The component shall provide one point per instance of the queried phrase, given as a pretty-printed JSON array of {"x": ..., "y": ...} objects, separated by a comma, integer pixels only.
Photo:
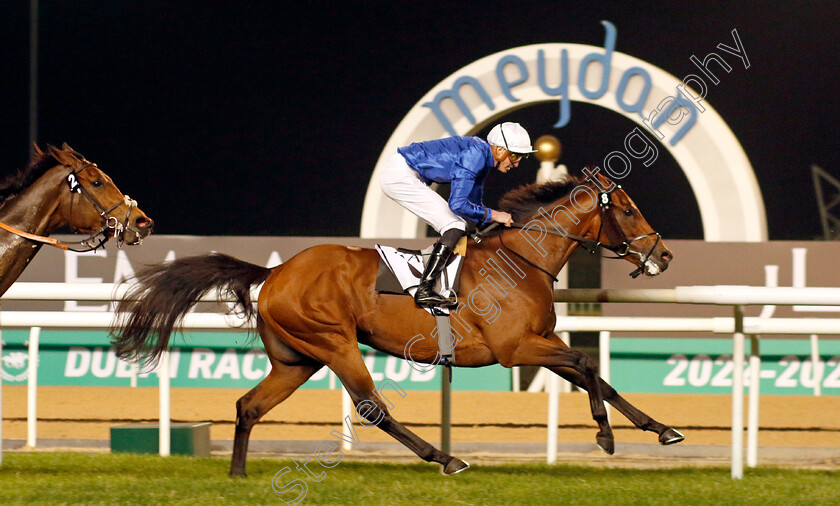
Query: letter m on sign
[{"x": 455, "y": 95}]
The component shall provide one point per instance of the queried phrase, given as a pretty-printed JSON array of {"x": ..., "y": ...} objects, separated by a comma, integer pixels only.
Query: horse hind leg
[
  {"x": 355, "y": 377},
  {"x": 641, "y": 420},
  {"x": 280, "y": 383}
]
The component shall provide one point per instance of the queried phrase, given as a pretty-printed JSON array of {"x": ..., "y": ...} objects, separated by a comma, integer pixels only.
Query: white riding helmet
[{"x": 512, "y": 137}]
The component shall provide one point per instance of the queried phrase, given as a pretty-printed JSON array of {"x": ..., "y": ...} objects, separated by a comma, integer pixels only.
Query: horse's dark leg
[
  {"x": 667, "y": 435},
  {"x": 273, "y": 389},
  {"x": 356, "y": 379},
  {"x": 552, "y": 353}
]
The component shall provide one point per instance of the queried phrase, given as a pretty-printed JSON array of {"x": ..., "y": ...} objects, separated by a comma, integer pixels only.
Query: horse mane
[
  {"x": 524, "y": 201},
  {"x": 14, "y": 183}
]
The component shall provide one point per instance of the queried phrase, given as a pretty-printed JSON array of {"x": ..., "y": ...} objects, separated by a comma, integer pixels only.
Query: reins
[
  {"x": 94, "y": 241},
  {"x": 532, "y": 264},
  {"x": 33, "y": 237},
  {"x": 590, "y": 245}
]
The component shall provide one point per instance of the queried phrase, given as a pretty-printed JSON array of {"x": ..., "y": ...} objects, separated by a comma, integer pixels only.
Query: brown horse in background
[
  {"x": 317, "y": 307},
  {"x": 61, "y": 188}
]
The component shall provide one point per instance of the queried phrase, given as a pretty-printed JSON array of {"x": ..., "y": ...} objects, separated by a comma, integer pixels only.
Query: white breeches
[{"x": 403, "y": 185}]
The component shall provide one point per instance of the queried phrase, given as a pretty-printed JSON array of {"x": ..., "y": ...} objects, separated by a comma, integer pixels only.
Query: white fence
[
  {"x": 738, "y": 326},
  {"x": 36, "y": 320}
]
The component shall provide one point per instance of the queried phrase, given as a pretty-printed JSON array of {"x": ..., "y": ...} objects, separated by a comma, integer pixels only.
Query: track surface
[{"x": 491, "y": 417}]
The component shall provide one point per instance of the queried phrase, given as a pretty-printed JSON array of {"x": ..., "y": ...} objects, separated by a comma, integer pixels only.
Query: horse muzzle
[
  {"x": 657, "y": 262},
  {"x": 138, "y": 229},
  {"x": 135, "y": 227}
]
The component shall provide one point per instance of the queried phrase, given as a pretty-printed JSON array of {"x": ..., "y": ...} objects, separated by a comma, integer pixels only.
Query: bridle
[
  {"x": 613, "y": 230},
  {"x": 616, "y": 234},
  {"x": 108, "y": 224}
]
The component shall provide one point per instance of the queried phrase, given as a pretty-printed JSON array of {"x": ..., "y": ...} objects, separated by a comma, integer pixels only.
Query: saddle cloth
[{"x": 400, "y": 271}]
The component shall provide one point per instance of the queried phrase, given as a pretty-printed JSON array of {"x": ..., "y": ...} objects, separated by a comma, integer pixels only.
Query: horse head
[
  {"x": 623, "y": 230},
  {"x": 94, "y": 204},
  {"x": 595, "y": 213}
]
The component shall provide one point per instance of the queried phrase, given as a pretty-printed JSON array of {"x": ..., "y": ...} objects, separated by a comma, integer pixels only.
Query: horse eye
[
  {"x": 628, "y": 211},
  {"x": 96, "y": 183}
]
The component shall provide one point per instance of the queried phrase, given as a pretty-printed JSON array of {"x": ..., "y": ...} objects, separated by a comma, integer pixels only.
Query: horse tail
[{"x": 165, "y": 292}]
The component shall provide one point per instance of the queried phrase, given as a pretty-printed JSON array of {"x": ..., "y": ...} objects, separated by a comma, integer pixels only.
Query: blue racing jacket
[{"x": 462, "y": 161}]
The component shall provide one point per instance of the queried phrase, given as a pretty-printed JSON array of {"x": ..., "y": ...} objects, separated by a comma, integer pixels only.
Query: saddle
[{"x": 400, "y": 271}]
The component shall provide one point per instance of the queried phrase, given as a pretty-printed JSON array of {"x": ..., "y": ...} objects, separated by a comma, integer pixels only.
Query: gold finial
[{"x": 548, "y": 148}]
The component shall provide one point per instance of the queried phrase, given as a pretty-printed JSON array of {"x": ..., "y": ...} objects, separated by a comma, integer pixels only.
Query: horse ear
[
  {"x": 605, "y": 182},
  {"x": 37, "y": 150},
  {"x": 64, "y": 156},
  {"x": 66, "y": 147}
]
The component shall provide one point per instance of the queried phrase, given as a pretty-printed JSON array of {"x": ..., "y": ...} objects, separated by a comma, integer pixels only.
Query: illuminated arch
[{"x": 712, "y": 159}]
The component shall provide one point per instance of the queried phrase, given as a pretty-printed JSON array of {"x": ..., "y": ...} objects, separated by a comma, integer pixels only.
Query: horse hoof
[
  {"x": 606, "y": 443},
  {"x": 671, "y": 436},
  {"x": 455, "y": 466}
]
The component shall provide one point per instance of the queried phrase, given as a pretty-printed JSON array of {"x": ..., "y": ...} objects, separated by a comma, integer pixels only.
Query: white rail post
[
  {"x": 738, "y": 395},
  {"x": 752, "y": 412},
  {"x": 816, "y": 370},
  {"x": 553, "y": 416},
  {"x": 554, "y": 384},
  {"x": 164, "y": 426},
  {"x": 346, "y": 409},
  {"x": 604, "y": 361},
  {"x": 515, "y": 378},
  {"x": 32, "y": 388}
]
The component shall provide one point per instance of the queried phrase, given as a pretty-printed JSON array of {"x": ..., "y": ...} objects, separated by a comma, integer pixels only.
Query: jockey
[{"x": 464, "y": 162}]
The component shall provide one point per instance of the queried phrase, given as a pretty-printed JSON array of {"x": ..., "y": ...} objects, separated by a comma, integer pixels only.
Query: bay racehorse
[
  {"x": 61, "y": 188},
  {"x": 315, "y": 309}
]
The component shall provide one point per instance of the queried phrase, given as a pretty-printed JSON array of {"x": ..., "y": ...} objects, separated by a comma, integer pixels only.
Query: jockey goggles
[{"x": 514, "y": 157}]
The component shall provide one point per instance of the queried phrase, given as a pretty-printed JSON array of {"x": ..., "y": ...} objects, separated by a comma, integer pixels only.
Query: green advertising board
[
  {"x": 206, "y": 359},
  {"x": 696, "y": 365}
]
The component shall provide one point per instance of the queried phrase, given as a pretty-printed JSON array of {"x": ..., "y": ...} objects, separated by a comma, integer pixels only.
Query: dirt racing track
[{"x": 795, "y": 430}]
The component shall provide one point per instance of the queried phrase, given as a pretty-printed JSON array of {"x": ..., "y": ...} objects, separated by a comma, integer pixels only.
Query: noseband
[
  {"x": 108, "y": 223},
  {"x": 613, "y": 230}
]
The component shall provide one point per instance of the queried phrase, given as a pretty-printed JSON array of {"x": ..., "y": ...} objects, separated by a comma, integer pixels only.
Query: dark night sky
[{"x": 267, "y": 118}]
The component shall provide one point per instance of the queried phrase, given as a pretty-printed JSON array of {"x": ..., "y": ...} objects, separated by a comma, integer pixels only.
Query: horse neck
[
  {"x": 33, "y": 210},
  {"x": 539, "y": 242}
]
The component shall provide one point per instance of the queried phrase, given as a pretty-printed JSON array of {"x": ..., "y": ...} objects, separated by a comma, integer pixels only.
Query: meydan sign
[{"x": 671, "y": 113}]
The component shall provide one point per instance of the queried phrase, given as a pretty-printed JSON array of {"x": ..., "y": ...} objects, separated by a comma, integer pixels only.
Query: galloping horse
[
  {"x": 60, "y": 188},
  {"x": 316, "y": 308}
]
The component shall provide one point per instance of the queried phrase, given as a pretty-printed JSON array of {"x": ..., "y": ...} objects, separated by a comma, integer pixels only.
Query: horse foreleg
[
  {"x": 553, "y": 354},
  {"x": 356, "y": 379},
  {"x": 667, "y": 435},
  {"x": 272, "y": 390}
]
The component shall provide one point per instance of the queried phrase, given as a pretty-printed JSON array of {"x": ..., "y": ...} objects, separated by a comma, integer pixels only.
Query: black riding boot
[{"x": 426, "y": 295}]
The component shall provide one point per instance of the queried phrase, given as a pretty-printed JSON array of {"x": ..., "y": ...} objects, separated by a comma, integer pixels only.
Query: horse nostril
[
  {"x": 143, "y": 222},
  {"x": 666, "y": 256}
]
